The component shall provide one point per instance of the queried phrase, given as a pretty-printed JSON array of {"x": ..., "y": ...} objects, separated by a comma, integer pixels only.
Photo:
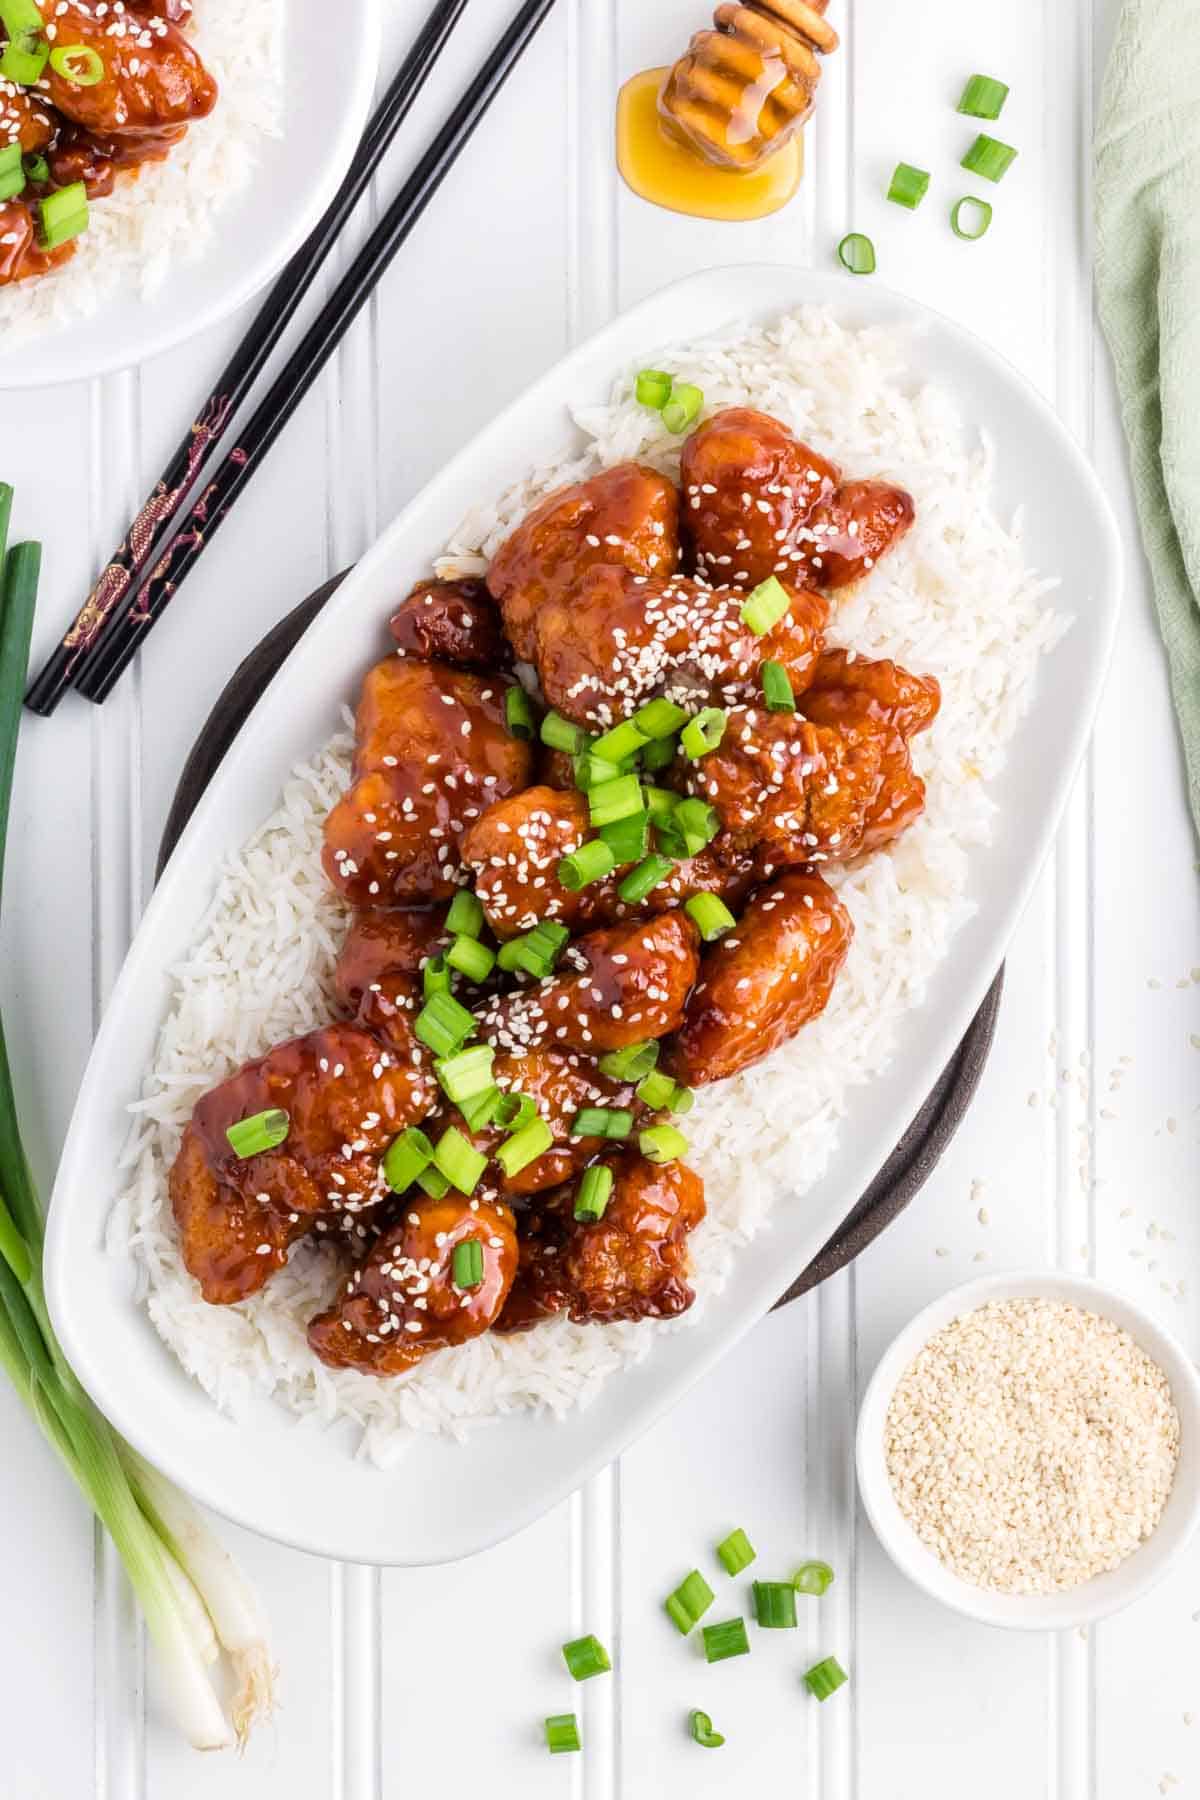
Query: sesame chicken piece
[
  {"x": 433, "y": 751},
  {"x": 24, "y": 118},
  {"x": 847, "y": 534},
  {"x": 398, "y": 942},
  {"x": 772, "y": 974},
  {"x": 630, "y": 1264},
  {"x": 402, "y": 1302},
  {"x": 613, "y": 987},
  {"x": 862, "y": 698},
  {"x": 231, "y": 1243},
  {"x": 619, "y": 639},
  {"x": 153, "y": 80},
  {"x": 627, "y": 515},
  {"x": 21, "y": 256},
  {"x": 453, "y": 622}
]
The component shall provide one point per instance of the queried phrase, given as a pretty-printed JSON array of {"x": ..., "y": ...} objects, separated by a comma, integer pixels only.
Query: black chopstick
[{"x": 88, "y": 630}]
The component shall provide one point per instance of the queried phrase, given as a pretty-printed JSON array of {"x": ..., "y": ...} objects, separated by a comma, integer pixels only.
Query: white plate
[
  {"x": 296, "y": 177},
  {"x": 446, "y": 1500}
]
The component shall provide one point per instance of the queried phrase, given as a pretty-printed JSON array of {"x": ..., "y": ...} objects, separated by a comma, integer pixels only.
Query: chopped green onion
[
  {"x": 592, "y": 1194},
  {"x": 25, "y": 56},
  {"x": 433, "y": 1182},
  {"x": 262, "y": 1131},
  {"x": 765, "y": 606},
  {"x": 435, "y": 976},
  {"x": 655, "y": 1089},
  {"x": 662, "y": 1144},
  {"x": 625, "y": 739},
  {"x": 659, "y": 718},
  {"x": 558, "y": 733},
  {"x": 989, "y": 157},
  {"x": 78, "y": 63},
  {"x": 515, "y": 1110},
  {"x": 592, "y": 771},
  {"x": 639, "y": 882},
  {"x": 777, "y": 689},
  {"x": 983, "y": 97},
  {"x": 690, "y": 1601},
  {"x": 585, "y": 1657},
  {"x": 977, "y": 220},
  {"x": 736, "y": 1552},
  {"x": 683, "y": 406},
  {"x": 618, "y": 799},
  {"x": 465, "y": 1074},
  {"x": 825, "y": 1677},
  {"x": 631, "y": 1062},
  {"x": 480, "y": 1109},
  {"x": 908, "y": 186},
  {"x": 466, "y": 1265},
  {"x": 705, "y": 731},
  {"x": 725, "y": 1640},
  {"x": 602, "y": 1121},
  {"x": 443, "y": 1024},
  {"x": 591, "y": 862},
  {"x": 653, "y": 388},
  {"x": 536, "y": 951},
  {"x": 628, "y": 839},
  {"x": 519, "y": 715},
  {"x": 12, "y": 172},
  {"x": 562, "y": 1734},
  {"x": 524, "y": 1146},
  {"x": 62, "y": 215},
  {"x": 682, "y": 1100},
  {"x": 812, "y": 1578},
  {"x": 659, "y": 753},
  {"x": 471, "y": 958},
  {"x": 36, "y": 167},
  {"x": 458, "y": 1160},
  {"x": 405, "y": 1158},
  {"x": 465, "y": 918},
  {"x": 697, "y": 823},
  {"x": 775, "y": 1605},
  {"x": 20, "y": 15},
  {"x": 710, "y": 915},
  {"x": 701, "y": 1728},
  {"x": 856, "y": 253},
  {"x": 660, "y": 803}
]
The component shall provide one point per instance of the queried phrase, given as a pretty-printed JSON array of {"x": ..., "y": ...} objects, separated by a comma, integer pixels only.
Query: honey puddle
[{"x": 663, "y": 169}]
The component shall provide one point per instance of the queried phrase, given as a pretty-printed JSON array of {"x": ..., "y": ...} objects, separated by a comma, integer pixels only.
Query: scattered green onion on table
[{"x": 189, "y": 1589}]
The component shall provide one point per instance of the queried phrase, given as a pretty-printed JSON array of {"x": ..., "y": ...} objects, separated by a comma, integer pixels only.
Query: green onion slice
[
  {"x": 697, "y": 822},
  {"x": 435, "y": 976},
  {"x": 908, "y": 186},
  {"x": 705, "y": 731},
  {"x": 466, "y": 1073},
  {"x": 701, "y": 1728},
  {"x": 736, "y": 1552},
  {"x": 660, "y": 803},
  {"x": 515, "y": 1110},
  {"x": 628, "y": 839},
  {"x": 602, "y": 1121},
  {"x": 535, "y": 951},
  {"x": 983, "y": 97},
  {"x": 618, "y": 799},
  {"x": 481, "y": 1109},
  {"x": 466, "y": 1265},
  {"x": 406, "y": 1158},
  {"x": 710, "y": 915},
  {"x": 775, "y": 1605},
  {"x": 825, "y": 1677},
  {"x": 78, "y": 63},
  {"x": 659, "y": 753},
  {"x": 519, "y": 714},
  {"x": 62, "y": 215},
  {"x": 262, "y": 1131},
  {"x": 36, "y": 167},
  {"x": 471, "y": 958},
  {"x": 765, "y": 606},
  {"x": 683, "y": 406},
  {"x": 856, "y": 253},
  {"x": 652, "y": 388},
  {"x": 458, "y": 1160},
  {"x": 643, "y": 880},
  {"x": 443, "y": 1024},
  {"x": 777, "y": 689},
  {"x": 558, "y": 733},
  {"x": 433, "y": 1182},
  {"x": 25, "y": 56},
  {"x": 625, "y": 739},
  {"x": 465, "y": 918},
  {"x": 972, "y": 224},
  {"x": 12, "y": 170},
  {"x": 989, "y": 157},
  {"x": 592, "y": 771},
  {"x": 20, "y": 15},
  {"x": 632, "y": 1062},
  {"x": 725, "y": 1640},
  {"x": 592, "y": 1196},
  {"x": 690, "y": 1601},
  {"x": 562, "y": 1733},
  {"x": 591, "y": 862},
  {"x": 656, "y": 1090},
  {"x": 662, "y": 1144},
  {"x": 524, "y": 1146},
  {"x": 659, "y": 718},
  {"x": 812, "y": 1578},
  {"x": 585, "y": 1657}
]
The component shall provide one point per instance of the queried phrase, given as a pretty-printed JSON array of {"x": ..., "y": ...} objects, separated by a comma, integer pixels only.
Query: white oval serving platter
[{"x": 445, "y": 1500}]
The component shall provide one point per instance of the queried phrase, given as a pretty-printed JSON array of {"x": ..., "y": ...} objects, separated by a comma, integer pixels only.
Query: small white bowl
[{"x": 1103, "y": 1594}]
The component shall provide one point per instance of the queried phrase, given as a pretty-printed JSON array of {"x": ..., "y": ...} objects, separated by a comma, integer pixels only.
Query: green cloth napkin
[{"x": 1148, "y": 285}]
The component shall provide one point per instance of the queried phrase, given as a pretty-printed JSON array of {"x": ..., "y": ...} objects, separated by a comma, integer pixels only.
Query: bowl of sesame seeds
[{"x": 1028, "y": 1450}]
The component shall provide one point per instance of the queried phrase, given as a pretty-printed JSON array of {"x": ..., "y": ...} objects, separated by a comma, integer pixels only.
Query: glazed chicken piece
[
  {"x": 402, "y": 1302},
  {"x": 399, "y": 942},
  {"x": 773, "y": 973},
  {"x": 792, "y": 791},
  {"x": 618, "y": 639},
  {"x": 614, "y": 987},
  {"x": 153, "y": 81},
  {"x": 21, "y": 256},
  {"x": 515, "y": 847},
  {"x": 630, "y": 1264},
  {"x": 758, "y": 502},
  {"x": 24, "y": 119},
  {"x": 452, "y": 622},
  {"x": 433, "y": 751},
  {"x": 627, "y": 515},
  {"x": 346, "y": 1097},
  {"x": 862, "y": 698}
]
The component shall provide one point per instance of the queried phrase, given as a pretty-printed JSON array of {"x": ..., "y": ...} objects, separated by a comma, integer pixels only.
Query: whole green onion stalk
[{"x": 189, "y": 1588}]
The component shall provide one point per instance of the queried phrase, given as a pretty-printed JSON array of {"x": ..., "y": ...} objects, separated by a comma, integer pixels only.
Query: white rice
[
  {"x": 168, "y": 213},
  {"x": 955, "y": 600}
]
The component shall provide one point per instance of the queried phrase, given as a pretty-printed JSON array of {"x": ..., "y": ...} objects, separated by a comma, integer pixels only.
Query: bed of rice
[
  {"x": 168, "y": 214},
  {"x": 956, "y": 599}
]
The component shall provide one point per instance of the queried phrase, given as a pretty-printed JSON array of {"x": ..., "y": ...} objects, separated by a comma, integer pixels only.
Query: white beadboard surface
[{"x": 402, "y": 1683}]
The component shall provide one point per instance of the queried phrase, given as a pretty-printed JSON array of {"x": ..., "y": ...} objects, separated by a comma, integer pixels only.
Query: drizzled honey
[{"x": 717, "y": 134}]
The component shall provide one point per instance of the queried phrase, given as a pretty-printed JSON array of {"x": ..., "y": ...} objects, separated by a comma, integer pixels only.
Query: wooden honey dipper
[{"x": 743, "y": 90}]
